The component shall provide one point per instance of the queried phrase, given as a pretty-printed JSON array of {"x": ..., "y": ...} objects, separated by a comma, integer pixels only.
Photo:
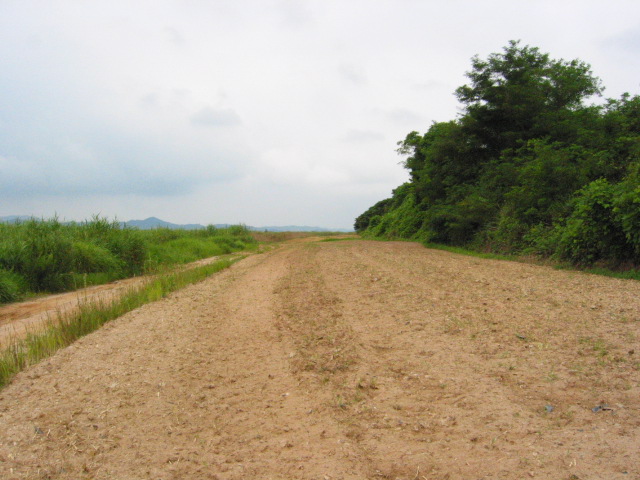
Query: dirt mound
[{"x": 345, "y": 360}]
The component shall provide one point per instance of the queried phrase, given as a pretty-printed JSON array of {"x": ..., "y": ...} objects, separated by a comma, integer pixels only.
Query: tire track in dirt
[
  {"x": 344, "y": 360},
  {"x": 194, "y": 386},
  {"x": 457, "y": 361}
]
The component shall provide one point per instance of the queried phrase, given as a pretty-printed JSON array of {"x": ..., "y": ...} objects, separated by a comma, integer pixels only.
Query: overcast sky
[{"x": 263, "y": 112}]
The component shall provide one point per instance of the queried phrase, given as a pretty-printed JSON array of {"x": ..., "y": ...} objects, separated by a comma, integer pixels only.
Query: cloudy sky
[{"x": 263, "y": 112}]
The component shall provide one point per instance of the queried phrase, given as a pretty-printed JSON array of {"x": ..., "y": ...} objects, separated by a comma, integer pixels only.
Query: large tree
[
  {"x": 521, "y": 94},
  {"x": 528, "y": 165}
]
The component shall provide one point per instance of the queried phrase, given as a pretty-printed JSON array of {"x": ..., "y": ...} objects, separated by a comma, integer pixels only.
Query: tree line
[{"x": 527, "y": 168}]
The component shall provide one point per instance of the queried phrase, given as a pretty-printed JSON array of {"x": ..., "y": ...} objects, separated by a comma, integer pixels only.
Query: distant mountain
[
  {"x": 153, "y": 222},
  {"x": 297, "y": 228},
  {"x": 14, "y": 219}
]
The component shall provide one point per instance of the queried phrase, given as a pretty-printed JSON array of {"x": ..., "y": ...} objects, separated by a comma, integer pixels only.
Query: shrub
[
  {"x": 92, "y": 258},
  {"x": 627, "y": 211},
  {"x": 11, "y": 286},
  {"x": 593, "y": 231}
]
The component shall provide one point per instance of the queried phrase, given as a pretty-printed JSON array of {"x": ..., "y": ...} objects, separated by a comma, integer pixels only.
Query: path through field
[
  {"x": 17, "y": 320},
  {"x": 345, "y": 360}
]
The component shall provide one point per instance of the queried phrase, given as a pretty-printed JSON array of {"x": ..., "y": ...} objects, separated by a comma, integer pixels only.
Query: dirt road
[
  {"x": 345, "y": 360},
  {"x": 17, "y": 320}
]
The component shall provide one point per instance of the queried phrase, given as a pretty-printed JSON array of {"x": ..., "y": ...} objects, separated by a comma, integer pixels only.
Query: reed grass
[{"x": 43, "y": 256}]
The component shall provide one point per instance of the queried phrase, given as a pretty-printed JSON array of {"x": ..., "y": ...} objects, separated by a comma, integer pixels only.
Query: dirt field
[
  {"x": 19, "y": 319},
  {"x": 345, "y": 360}
]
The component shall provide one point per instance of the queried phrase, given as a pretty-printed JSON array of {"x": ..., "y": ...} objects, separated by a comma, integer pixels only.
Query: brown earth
[
  {"x": 21, "y": 318},
  {"x": 345, "y": 360}
]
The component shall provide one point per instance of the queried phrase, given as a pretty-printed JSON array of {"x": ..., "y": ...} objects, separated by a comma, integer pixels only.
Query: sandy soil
[
  {"x": 19, "y": 319},
  {"x": 345, "y": 360}
]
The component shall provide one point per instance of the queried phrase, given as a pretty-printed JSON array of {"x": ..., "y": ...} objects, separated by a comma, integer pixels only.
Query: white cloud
[
  {"x": 362, "y": 136},
  {"x": 403, "y": 116},
  {"x": 211, "y": 117},
  {"x": 253, "y": 111},
  {"x": 353, "y": 73}
]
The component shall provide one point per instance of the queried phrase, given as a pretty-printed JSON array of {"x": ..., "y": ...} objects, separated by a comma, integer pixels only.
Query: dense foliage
[
  {"x": 49, "y": 256},
  {"x": 527, "y": 168}
]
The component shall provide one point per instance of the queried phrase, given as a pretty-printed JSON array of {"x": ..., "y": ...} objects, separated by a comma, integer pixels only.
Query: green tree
[
  {"x": 522, "y": 94},
  {"x": 528, "y": 166},
  {"x": 377, "y": 210}
]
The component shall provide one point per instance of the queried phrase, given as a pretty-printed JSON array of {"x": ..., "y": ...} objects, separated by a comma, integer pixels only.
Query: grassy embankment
[
  {"x": 46, "y": 256},
  {"x": 66, "y": 328},
  {"x": 623, "y": 273}
]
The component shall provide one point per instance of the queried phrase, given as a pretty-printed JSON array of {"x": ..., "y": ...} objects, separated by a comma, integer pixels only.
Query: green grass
[
  {"x": 471, "y": 253},
  {"x": 341, "y": 239},
  {"x": 66, "y": 328},
  {"x": 630, "y": 274},
  {"x": 43, "y": 256}
]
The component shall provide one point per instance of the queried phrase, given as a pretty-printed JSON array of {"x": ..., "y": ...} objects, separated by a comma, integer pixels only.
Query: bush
[
  {"x": 594, "y": 231},
  {"x": 92, "y": 258},
  {"x": 371, "y": 218},
  {"x": 129, "y": 247},
  {"x": 627, "y": 211},
  {"x": 506, "y": 235},
  {"x": 11, "y": 286}
]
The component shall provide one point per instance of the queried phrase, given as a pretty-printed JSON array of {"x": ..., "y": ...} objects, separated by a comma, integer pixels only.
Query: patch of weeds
[
  {"x": 339, "y": 239},
  {"x": 568, "y": 415},
  {"x": 358, "y": 397},
  {"x": 455, "y": 324},
  {"x": 551, "y": 376},
  {"x": 598, "y": 345},
  {"x": 471, "y": 253},
  {"x": 341, "y": 402},
  {"x": 579, "y": 369}
]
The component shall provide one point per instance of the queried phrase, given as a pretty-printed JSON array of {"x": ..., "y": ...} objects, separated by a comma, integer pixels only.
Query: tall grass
[
  {"x": 171, "y": 247},
  {"x": 49, "y": 256},
  {"x": 68, "y": 327}
]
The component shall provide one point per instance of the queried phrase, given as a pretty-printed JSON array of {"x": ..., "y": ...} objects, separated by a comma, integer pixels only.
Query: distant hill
[
  {"x": 154, "y": 222},
  {"x": 14, "y": 219},
  {"x": 297, "y": 228}
]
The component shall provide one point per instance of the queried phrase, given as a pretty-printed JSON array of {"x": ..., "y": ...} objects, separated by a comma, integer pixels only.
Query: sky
[{"x": 260, "y": 112}]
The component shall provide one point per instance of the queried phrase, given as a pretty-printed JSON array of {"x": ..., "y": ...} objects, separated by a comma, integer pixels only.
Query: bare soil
[
  {"x": 21, "y": 318},
  {"x": 345, "y": 360}
]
